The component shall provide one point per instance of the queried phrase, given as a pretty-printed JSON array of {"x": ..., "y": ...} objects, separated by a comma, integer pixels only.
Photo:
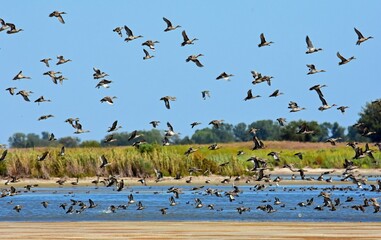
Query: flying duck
[
  {"x": 42, "y": 99},
  {"x": 170, "y": 27},
  {"x": 11, "y": 90},
  {"x": 20, "y": 76},
  {"x": 263, "y": 41},
  {"x": 147, "y": 55},
  {"x": 187, "y": 41},
  {"x": 103, "y": 83},
  {"x": 25, "y": 94},
  {"x": 276, "y": 93},
  {"x": 104, "y": 161},
  {"x": 150, "y": 44},
  {"x": 194, "y": 58},
  {"x": 62, "y": 60},
  {"x": 118, "y": 30},
  {"x": 224, "y": 76},
  {"x": 108, "y": 100},
  {"x": 46, "y": 61},
  {"x": 130, "y": 35},
  {"x": 114, "y": 127},
  {"x": 44, "y": 117},
  {"x": 166, "y": 100},
  {"x": 216, "y": 123},
  {"x": 250, "y": 95},
  {"x": 310, "y": 46},
  {"x": 343, "y": 59},
  {"x": 58, "y": 15},
  {"x": 360, "y": 37},
  {"x": 154, "y": 123},
  {"x": 13, "y": 28},
  {"x": 342, "y": 108},
  {"x": 312, "y": 69}
]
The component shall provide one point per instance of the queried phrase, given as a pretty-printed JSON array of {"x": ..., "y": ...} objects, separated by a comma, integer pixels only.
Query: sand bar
[{"x": 188, "y": 230}]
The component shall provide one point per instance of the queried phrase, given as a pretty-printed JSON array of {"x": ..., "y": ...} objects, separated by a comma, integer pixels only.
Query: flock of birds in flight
[
  {"x": 56, "y": 76},
  {"x": 258, "y": 164}
]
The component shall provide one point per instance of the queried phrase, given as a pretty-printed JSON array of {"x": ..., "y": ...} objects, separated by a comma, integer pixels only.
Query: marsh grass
[{"x": 132, "y": 162}]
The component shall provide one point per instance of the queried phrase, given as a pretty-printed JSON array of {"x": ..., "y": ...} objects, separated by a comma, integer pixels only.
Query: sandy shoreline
[
  {"x": 201, "y": 180},
  {"x": 189, "y": 230}
]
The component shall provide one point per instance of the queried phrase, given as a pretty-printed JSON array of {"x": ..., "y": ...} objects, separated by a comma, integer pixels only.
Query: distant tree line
[{"x": 367, "y": 128}]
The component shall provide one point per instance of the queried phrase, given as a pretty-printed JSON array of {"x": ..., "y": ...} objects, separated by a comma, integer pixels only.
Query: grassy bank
[{"x": 133, "y": 162}]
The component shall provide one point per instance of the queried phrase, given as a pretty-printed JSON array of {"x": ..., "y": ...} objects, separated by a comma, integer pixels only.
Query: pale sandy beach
[
  {"x": 189, "y": 230},
  {"x": 213, "y": 179}
]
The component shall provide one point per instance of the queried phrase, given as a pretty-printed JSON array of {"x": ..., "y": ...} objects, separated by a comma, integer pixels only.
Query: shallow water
[{"x": 156, "y": 197}]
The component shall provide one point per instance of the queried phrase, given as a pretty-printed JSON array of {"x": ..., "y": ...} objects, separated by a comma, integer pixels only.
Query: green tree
[
  {"x": 370, "y": 116},
  {"x": 268, "y": 129},
  {"x": 241, "y": 132},
  {"x": 222, "y": 134},
  {"x": 205, "y": 135},
  {"x": 289, "y": 132},
  {"x": 69, "y": 141},
  {"x": 17, "y": 140},
  {"x": 337, "y": 131}
]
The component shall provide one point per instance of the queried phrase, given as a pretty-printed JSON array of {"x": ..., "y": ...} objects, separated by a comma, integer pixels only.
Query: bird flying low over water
[
  {"x": 104, "y": 161},
  {"x": 58, "y": 15}
]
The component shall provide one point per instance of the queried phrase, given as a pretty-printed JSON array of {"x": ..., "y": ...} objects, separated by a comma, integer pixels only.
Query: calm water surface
[{"x": 156, "y": 197}]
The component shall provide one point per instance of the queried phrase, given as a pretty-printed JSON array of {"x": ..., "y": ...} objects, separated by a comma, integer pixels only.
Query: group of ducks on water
[{"x": 232, "y": 195}]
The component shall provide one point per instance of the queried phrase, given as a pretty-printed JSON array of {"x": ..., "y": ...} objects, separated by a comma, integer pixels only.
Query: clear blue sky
[{"x": 228, "y": 33}]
